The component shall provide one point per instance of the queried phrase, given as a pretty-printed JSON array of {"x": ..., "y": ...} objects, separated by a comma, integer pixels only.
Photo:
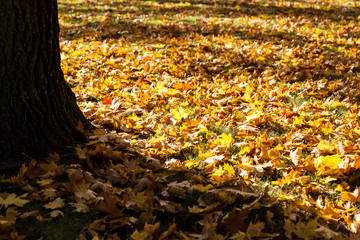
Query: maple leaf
[
  {"x": 325, "y": 164},
  {"x": 326, "y": 233},
  {"x": 80, "y": 207},
  {"x": 56, "y": 213},
  {"x": 306, "y": 230},
  {"x": 180, "y": 113},
  {"x": 80, "y": 184},
  {"x": 136, "y": 235},
  {"x": 235, "y": 222},
  {"x": 255, "y": 229},
  {"x": 115, "y": 177},
  {"x": 326, "y": 147},
  {"x": 151, "y": 228},
  {"x": 57, "y": 203},
  {"x": 49, "y": 193},
  {"x": 168, "y": 206},
  {"x": 108, "y": 205},
  {"x": 141, "y": 200},
  {"x": 106, "y": 100},
  {"x": 217, "y": 175},
  {"x": 12, "y": 199},
  {"x": 226, "y": 139},
  {"x": 255, "y": 117},
  {"x": 229, "y": 169},
  {"x": 296, "y": 156}
]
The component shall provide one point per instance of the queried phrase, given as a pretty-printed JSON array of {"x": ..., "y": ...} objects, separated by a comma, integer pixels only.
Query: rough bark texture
[{"x": 38, "y": 110}]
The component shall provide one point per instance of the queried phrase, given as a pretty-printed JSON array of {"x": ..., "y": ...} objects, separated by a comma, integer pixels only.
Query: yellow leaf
[
  {"x": 202, "y": 188},
  {"x": 254, "y": 116},
  {"x": 244, "y": 150},
  {"x": 160, "y": 88},
  {"x": 180, "y": 113},
  {"x": 326, "y": 147},
  {"x": 157, "y": 142},
  {"x": 330, "y": 162},
  {"x": 95, "y": 237},
  {"x": 298, "y": 121},
  {"x": 11, "y": 199},
  {"x": 346, "y": 196},
  {"x": 217, "y": 174},
  {"x": 230, "y": 170},
  {"x": 226, "y": 140},
  {"x": 327, "y": 129},
  {"x": 248, "y": 91},
  {"x": 357, "y": 131},
  {"x": 205, "y": 155},
  {"x": 336, "y": 103},
  {"x": 140, "y": 235},
  {"x": 292, "y": 177},
  {"x": 191, "y": 163}
]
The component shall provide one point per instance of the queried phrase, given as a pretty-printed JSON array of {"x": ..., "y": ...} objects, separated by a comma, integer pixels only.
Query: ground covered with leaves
[{"x": 220, "y": 120}]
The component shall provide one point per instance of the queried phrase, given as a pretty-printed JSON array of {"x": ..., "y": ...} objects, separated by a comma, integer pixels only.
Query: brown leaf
[
  {"x": 326, "y": 233},
  {"x": 167, "y": 233},
  {"x": 57, "y": 203},
  {"x": 115, "y": 177},
  {"x": 234, "y": 221},
  {"x": 80, "y": 207},
  {"x": 53, "y": 157},
  {"x": 108, "y": 205},
  {"x": 255, "y": 229},
  {"x": 151, "y": 228},
  {"x": 56, "y": 213},
  {"x": 168, "y": 206}
]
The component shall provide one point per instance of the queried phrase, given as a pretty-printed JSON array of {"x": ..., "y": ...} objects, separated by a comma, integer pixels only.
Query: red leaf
[{"x": 106, "y": 100}]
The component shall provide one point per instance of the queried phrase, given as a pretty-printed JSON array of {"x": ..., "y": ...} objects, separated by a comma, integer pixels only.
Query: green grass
[
  {"x": 67, "y": 227},
  {"x": 339, "y": 111}
]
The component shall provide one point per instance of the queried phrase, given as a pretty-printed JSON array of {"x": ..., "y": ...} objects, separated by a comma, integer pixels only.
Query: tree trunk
[{"x": 38, "y": 110}]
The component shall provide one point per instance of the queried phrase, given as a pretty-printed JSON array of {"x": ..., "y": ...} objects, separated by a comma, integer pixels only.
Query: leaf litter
[{"x": 219, "y": 120}]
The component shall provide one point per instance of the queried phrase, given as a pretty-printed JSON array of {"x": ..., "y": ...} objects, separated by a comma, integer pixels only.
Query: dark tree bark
[{"x": 38, "y": 110}]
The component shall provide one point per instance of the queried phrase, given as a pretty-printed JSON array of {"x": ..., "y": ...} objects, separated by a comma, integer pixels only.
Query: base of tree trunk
[{"x": 38, "y": 110}]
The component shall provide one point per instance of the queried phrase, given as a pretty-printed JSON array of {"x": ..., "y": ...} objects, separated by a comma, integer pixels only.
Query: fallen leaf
[
  {"x": 57, "y": 203},
  {"x": 12, "y": 199},
  {"x": 56, "y": 213}
]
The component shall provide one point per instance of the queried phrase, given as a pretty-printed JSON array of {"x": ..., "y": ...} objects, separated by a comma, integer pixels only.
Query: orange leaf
[{"x": 106, "y": 100}]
